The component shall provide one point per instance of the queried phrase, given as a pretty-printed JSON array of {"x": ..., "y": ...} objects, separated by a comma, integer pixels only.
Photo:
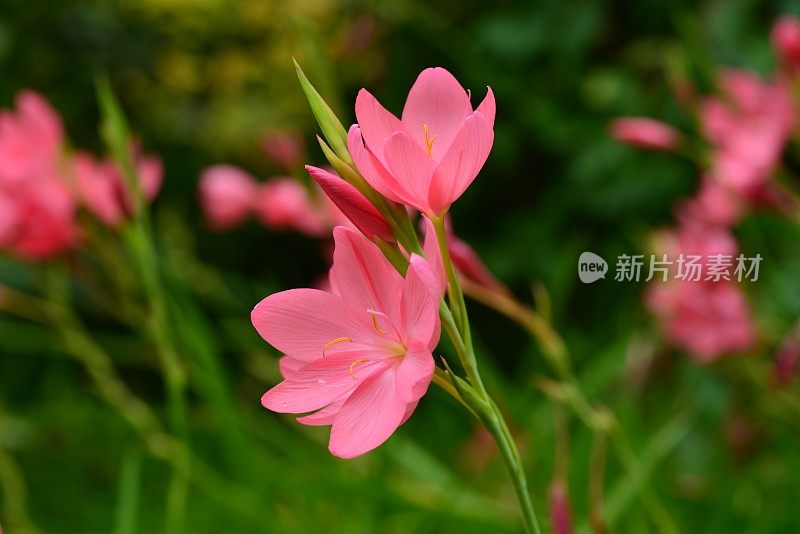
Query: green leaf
[
  {"x": 117, "y": 136},
  {"x": 331, "y": 127}
]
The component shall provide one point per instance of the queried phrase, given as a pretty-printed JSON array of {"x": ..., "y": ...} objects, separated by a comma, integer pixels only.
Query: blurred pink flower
[
  {"x": 283, "y": 203},
  {"x": 353, "y": 205},
  {"x": 103, "y": 189},
  {"x": 360, "y": 358},
  {"x": 30, "y": 140},
  {"x": 285, "y": 149},
  {"x": 45, "y": 224},
  {"x": 37, "y": 219},
  {"x": 227, "y": 195},
  {"x": 786, "y": 41},
  {"x": 749, "y": 127},
  {"x": 707, "y": 319},
  {"x": 645, "y": 133},
  {"x": 428, "y": 158},
  {"x": 714, "y": 203}
]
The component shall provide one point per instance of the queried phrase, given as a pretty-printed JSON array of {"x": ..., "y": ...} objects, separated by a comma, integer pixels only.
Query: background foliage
[{"x": 202, "y": 81}]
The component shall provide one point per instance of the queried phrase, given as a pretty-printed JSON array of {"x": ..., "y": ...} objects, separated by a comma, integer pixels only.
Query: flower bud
[{"x": 645, "y": 133}]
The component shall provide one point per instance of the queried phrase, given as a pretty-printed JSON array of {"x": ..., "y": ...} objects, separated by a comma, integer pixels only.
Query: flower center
[{"x": 428, "y": 139}]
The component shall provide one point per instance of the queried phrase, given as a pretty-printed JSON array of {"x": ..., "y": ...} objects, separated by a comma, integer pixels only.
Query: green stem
[{"x": 456, "y": 324}]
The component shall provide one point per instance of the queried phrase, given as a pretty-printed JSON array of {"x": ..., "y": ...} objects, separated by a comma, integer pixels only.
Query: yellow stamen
[
  {"x": 359, "y": 361},
  {"x": 428, "y": 139},
  {"x": 334, "y": 342},
  {"x": 380, "y": 330}
]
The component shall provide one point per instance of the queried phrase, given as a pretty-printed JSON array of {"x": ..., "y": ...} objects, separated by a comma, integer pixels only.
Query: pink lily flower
[
  {"x": 45, "y": 223},
  {"x": 226, "y": 195},
  {"x": 714, "y": 204},
  {"x": 360, "y": 358},
  {"x": 429, "y": 157},
  {"x": 645, "y": 133},
  {"x": 355, "y": 207},
  {"x": 103, "y": 189},
  {"x": 30, "y": 140},
  {"x": 706, "y": 319},
  {"x": 749, "y": 129},
  {"x": 283, "y": 203}
]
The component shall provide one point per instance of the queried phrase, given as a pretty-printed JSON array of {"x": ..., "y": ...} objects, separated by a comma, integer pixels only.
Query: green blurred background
[{"x": 203, "y": 80}]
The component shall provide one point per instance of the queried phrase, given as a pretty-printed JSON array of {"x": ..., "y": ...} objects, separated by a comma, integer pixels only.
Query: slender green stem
[{"x": 456, "y": 324}]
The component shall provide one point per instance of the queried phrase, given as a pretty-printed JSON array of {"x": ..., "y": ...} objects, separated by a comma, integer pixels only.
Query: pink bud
[
  {"x": 353, "y": 205},
  {"x": 560, "y": 513},
  {"x": 285, "y": 149},
  {"x": 786, "y": 41},
  {"x": 226, "y": 195},
  {"x": 470, "y": 265},
  {"x": 645, "y": 133}
]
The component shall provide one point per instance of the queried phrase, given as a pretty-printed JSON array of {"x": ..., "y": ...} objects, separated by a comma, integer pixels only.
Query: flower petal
[
  {"x": 377, "y": 124},
  {"x": 411, "y": 167},
  {"x": 419, "y": 304},
  {"x": 437, "y": 101},
  {"x": 320, "y": 383},
  {"x": 368, "y": 417},
  {"x": 462, "y": 162},
  {"x": 487, "y": 108},
  {"x": 302, "y": 322},
  {"x": 372, "y": 169},
  {"x": 290, "y": 366},
  {"x": 324, "y": 416},
  {"x": 366, "y": 279},
  {"x": 414, "y": 373},
  {"x": 353, "y": 204},
  {"x": 430, "y": 247}
]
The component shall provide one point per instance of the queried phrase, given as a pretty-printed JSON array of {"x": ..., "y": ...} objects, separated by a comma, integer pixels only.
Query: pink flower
[
  {"x": 786, "y": 41},
  {"x": 227, "y": 194},
  {"x": 30, "y": 140},
  {"x": 645, "y": 133},
  {"x": 704, "y": 318},
  {"x": 104, "y": 191},
  {"x": 428, "y": 158},
  {"x": 749, "y": 128},
  {"x": 353, "y": 205},
  {"x": 714, "y": 204},
  {"x": 360, "y": 358},
  {"x": 45, "y": 223},
  {"x": 284, "y": 148},
  {"x": 283, "y": 203}
]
